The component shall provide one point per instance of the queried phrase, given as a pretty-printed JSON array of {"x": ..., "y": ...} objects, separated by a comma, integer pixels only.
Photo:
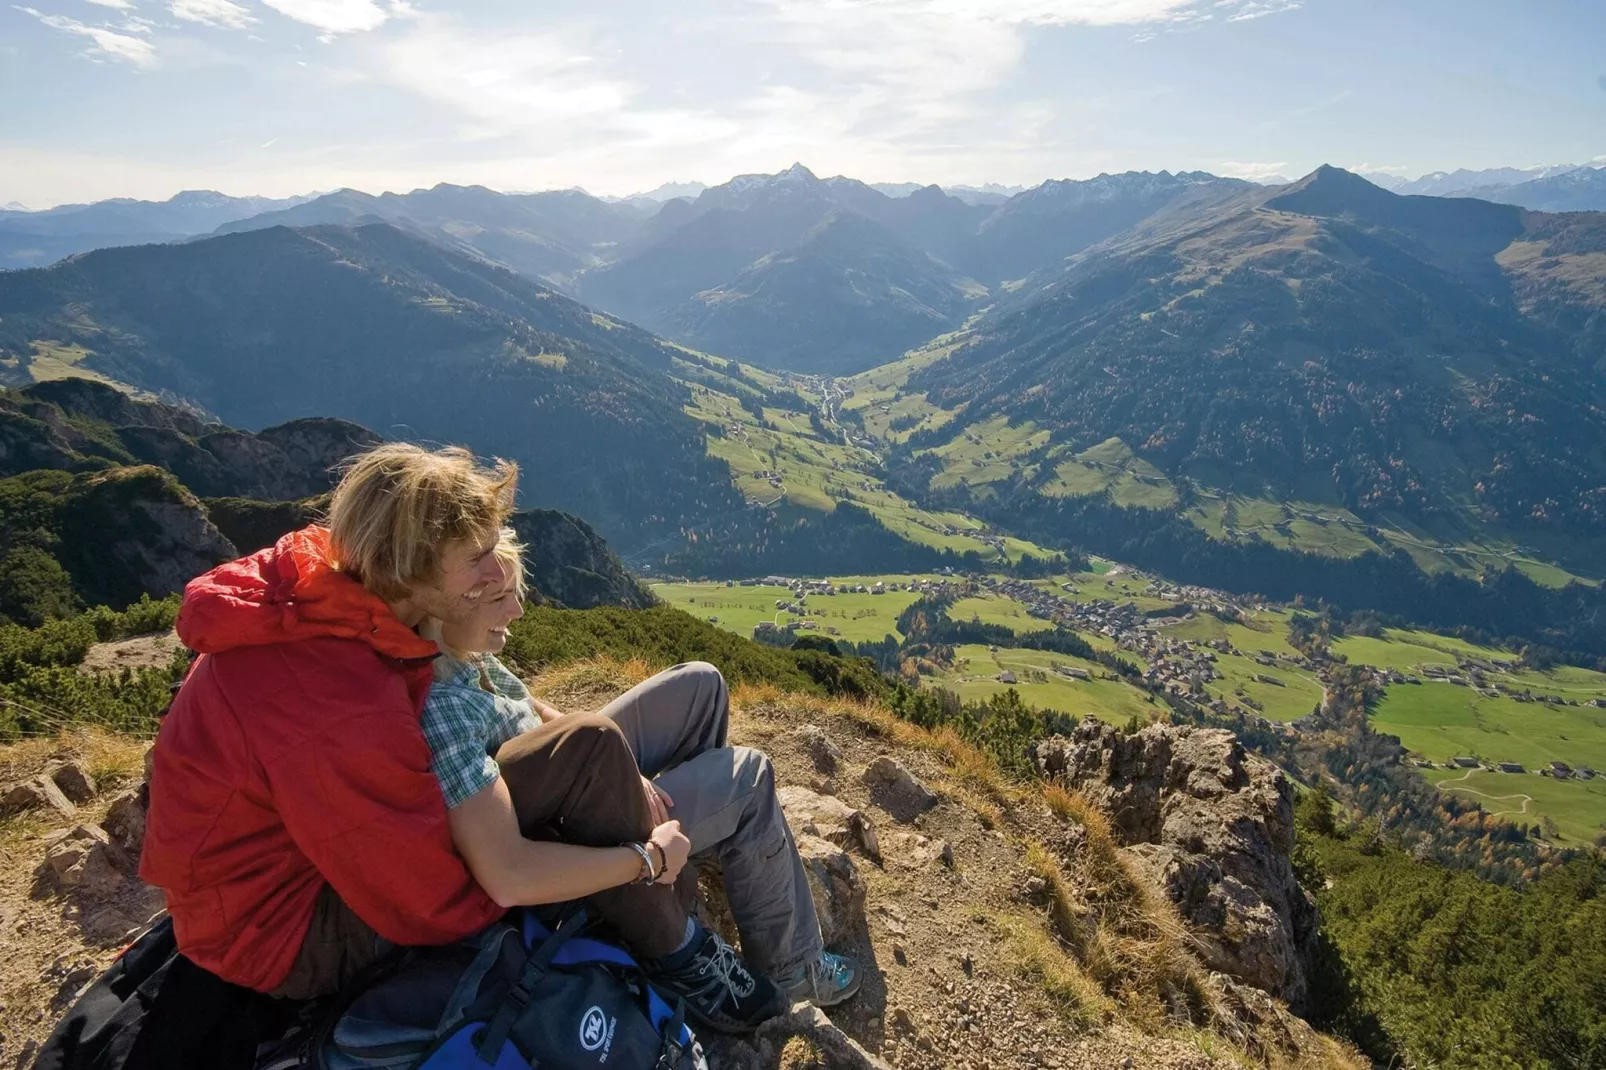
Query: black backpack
[{"x": 154, "y": 1009}]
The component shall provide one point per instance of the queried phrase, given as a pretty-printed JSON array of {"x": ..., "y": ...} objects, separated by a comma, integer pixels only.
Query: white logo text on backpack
[{"x": 596, "y": 1031}]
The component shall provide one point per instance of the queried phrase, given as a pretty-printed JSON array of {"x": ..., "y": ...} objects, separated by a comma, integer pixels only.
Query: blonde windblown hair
[{"x": 398, "y": 507}]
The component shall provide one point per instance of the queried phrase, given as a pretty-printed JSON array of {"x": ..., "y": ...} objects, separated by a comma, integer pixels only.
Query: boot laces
[{"x": 725, "y": 965}]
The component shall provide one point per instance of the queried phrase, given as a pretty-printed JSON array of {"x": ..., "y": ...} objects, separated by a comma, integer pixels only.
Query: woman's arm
[{"x": 515, "y": 871}]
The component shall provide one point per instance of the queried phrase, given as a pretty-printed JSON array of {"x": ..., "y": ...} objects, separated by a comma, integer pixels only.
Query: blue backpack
[{"x": 512, "y": 998}]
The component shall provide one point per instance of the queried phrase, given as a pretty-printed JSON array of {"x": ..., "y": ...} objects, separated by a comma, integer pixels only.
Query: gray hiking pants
[{"x": 724, "y": 799}]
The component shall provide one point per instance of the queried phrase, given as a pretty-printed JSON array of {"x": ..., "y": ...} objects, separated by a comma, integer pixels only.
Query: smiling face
[
  {"x": 469, "y": 569},
  {"x": 483, "y": 630}
]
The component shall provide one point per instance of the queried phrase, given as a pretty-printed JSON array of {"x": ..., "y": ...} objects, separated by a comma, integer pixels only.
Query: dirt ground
[{"x": 945, "y": 985}]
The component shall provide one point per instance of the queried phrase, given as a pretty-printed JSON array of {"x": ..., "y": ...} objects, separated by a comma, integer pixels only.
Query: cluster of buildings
[{"x": 1559, "y": 770}]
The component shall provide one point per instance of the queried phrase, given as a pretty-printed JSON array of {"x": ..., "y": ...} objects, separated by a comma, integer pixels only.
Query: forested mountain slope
[
  {"x": 384, "y": 328},
  {"x": 1337, "y": 343},
  {"x": 104, "y": 498}
]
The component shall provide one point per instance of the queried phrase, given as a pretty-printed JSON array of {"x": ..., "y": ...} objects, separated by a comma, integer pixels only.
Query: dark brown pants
[{"x": 575, "y": 779}]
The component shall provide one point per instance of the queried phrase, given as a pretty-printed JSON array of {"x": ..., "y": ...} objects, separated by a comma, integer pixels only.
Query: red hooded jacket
[{"x": 291, "y": 758}]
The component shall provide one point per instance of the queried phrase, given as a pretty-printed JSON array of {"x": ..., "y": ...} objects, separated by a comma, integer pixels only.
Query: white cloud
[
  {"x": 121, "y": 5},
  {"x": 1258, "y": 9},
  {"x": 335, "y": 16},
  {"x": 225, "y": 14},
  {"x": 106, "y": 43},
  {"x": 1254, "y": 172}
]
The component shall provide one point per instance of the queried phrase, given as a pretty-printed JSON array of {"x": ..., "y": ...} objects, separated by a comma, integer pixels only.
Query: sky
[{"x": 143, "y": 98}]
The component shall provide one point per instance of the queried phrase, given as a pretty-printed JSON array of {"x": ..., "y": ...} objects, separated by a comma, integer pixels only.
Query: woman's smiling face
[{"x": 484, "y": 629}]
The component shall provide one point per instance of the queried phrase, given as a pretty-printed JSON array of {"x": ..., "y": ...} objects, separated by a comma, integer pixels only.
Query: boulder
[
  {"x": 836, "y": 887},
  {"x": 86, "y": 862},
  {"x": 825, "y": 754},
  {"x": 40, "y": 793},
  {"x": 896, "y": 790},
  {"x": 812, "y": 814},
  {"x": 125, "y": 824},
  {"x": 1213, "y": 826},
  {"x": 74, "y": 781},
  {"x": 910, "y": 850}
]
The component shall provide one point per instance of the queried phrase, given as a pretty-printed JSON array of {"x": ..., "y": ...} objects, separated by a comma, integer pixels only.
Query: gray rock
[
  {"x": 825, "y": 754},
  {"x": 40, "y": 793},
  {"x": 86, "y": 862},
  {"x": 1213, "y": 826},
  {"x": 74, "y": 781},
  {"x": 125, "y": 824},
  {"x": 836, "y": 887},
  {"x": 826, "y": 816},
  {"x": 897, "y": 790}
]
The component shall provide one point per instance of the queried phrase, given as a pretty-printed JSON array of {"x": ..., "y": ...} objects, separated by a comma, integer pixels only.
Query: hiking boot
[
  {"x": 720, "y": 991},
  {"x": 825, "y": 982}
]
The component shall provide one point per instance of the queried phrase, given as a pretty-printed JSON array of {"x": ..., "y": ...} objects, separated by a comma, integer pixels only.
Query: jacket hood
[{"x": 288, "y": 592}]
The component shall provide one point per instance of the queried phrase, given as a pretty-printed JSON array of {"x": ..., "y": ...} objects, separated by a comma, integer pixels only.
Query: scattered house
[
  {"x": 1510, "y": 767},
  {"x": 713, "y": 620},
  {"x": 1006, "y": 677},
  {"x": 1466, "y": 763},
  {"x": 1560, "y": 770},
  {"x": 1585, "y": 773},
  {"x": 1263, "y": 678},
  {"x": 1073, "y": 672}
]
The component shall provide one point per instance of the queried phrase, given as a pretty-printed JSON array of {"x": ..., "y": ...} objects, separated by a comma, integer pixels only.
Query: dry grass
[
  {"x": 1134, "y": 942},
  {"x": 1041, "y": 959},
  {"x": 590, "y": 684},
  {"x": 109, "y": 757},
  {"x": 1061, "y": 912}
]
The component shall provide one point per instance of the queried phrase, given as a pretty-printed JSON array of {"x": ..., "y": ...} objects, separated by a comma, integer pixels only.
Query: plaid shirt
[{"x": 473, "y": 708}]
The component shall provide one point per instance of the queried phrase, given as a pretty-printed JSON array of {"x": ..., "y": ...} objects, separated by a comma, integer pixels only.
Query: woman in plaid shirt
[{"x": 547, "y": 807}]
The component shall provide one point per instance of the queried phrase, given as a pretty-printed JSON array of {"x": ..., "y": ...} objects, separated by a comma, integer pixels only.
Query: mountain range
[
  {"x": 33, "y": 239},
  {"x": 786, "y": 271},
  {"x": 382, "y": 327},
  {"x": 1322, "y": 366},
  {"x": 1429, "y": 368},
  {"x": 1560, "y": 188}
]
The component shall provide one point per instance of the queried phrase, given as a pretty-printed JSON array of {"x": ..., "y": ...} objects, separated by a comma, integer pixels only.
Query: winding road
[{"x": 1526, "y": 799}]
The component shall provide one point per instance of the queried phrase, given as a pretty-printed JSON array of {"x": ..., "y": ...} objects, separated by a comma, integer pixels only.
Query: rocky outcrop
[
  {"x": 130, "y": 531},
  {"x": 1213, "y": 827},
  {"x": 568, "y": 564},
  {"x": 79, "y": 424}
]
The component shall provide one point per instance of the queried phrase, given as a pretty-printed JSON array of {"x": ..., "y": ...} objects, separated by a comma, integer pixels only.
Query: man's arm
[{"x": 520, "y": 872}]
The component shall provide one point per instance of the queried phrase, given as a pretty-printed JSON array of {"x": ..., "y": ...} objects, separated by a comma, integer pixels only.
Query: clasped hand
[{"x": 666, "y": 833}]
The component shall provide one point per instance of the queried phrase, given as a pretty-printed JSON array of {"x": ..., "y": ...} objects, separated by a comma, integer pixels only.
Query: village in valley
[{"x": 1450, "y": 701}]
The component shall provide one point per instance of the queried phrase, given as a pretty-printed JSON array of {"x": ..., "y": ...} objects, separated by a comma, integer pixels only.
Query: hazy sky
[{"x": 143, "y": 98}]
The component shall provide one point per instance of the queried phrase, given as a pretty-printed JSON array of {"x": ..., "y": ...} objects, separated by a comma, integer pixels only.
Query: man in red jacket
[{"x": 294, "y": 820}]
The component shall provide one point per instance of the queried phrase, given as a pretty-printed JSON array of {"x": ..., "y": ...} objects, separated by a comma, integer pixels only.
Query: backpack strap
[
  {"x": 669, "y": 1057},
  {"x": 518, "y": 996}
]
